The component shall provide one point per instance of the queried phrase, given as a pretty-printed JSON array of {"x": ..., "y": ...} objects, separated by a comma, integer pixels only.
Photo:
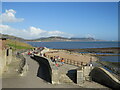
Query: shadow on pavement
[
  {"x": 44, "y": 70},
  {"x": 72, "y": 75}
]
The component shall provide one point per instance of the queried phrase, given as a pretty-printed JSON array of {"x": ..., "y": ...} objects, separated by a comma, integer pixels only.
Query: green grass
[{"x": 18, "y": 45}]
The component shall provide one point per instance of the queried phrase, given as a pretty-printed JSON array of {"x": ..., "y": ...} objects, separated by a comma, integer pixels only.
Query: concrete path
[
  {"x": 31, "y": 80},
  {"x": 11, "y": 70}
]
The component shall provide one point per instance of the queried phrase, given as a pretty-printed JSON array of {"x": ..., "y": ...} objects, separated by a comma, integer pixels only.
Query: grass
[{"x": 18, "y": 45}]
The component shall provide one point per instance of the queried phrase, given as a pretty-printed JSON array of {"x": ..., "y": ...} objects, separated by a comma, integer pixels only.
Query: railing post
[
  {"x": 68, "y": 61},
  {"x": 80, "y": 77},
  {"x": 76, "y": 63},
  {"x": 72, "y": 62}
]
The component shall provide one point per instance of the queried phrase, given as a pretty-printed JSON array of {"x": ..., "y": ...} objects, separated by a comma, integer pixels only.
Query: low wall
[
  {"x": 23, "y": 66},
  {"x": 2, "y": 61},
  {"x": 6, "y": 57},
  {"x": 102, "y": 76},
  {"x": 44, "y": 70}
]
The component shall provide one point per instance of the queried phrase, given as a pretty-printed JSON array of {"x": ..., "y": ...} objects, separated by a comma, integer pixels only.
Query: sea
[{"x": 81, "y": 45}]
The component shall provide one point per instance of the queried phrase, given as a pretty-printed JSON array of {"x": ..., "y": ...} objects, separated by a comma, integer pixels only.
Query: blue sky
[{"x": 79, "y": 19}]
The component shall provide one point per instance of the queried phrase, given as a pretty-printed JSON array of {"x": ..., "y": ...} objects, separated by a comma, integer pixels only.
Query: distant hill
[
  {"x": 83, "y": 39},
  {"x": 48, "y": 39},
  {"x": 56, "y": 38},
  {"x": 12, "y": 37}
]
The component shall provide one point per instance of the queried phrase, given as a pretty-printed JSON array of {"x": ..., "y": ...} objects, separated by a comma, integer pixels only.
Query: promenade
[{"x": 31, "y": 80}]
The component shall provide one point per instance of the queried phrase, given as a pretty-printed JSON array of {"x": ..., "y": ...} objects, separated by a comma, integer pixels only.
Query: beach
[{"x": 72, "y": 56}]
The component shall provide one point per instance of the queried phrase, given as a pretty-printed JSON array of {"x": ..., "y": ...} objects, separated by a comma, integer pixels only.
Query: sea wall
[
  {"x": 51, "y": 73},
  {"x": 104, "y": 77},
  {"x": 113, "y": 66},
  {"x": 46, "y": 70}
]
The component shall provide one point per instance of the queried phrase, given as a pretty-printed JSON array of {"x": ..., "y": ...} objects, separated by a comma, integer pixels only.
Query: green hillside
[{"x": 17, "y": 44}]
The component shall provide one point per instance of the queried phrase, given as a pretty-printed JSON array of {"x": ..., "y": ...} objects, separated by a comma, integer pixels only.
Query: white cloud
[
  {"x": 36, "y": 31},
  {"x": 90, "y": 36},
  {"x": 9, "y": 16},
  {"x": 31, "y": 32}
]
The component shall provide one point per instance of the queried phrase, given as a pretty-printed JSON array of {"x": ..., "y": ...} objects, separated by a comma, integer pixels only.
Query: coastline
[{"x": 111, "y": 50}]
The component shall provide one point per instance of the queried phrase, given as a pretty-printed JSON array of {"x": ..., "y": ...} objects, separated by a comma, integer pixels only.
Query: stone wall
[
  {"x": 23, "y": 66},
  {"x": 44, "y": 66},
  {"x": 104, "y": 77},
  {"x": 51, "y": 73},
  {"x": 2, "y": 61},
  {"x": 83, "y": 74},
  {"x": 5, "y": 59}
]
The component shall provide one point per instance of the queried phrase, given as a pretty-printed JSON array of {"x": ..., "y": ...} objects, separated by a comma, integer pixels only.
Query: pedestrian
[
  {"x": 44, "y": 55},
  {"x": 58, "y": 58},
  {"x": 40, "y": 54},
  {"x": 51, "y": 59},
  {"x": 62, "y": 61},
  {"x": 56, "y": 65},
  {"x": 90, "y": 62}
]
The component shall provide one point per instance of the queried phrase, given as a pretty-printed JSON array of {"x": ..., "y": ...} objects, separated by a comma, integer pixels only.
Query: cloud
[
  {"x": 9, "y": 16},
  {"x": 90, "y": 36},
  {"x": 31, "y": 32}
]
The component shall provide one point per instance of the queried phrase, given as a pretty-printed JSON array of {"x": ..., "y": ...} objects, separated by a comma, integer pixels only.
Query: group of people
[{"x": 57, "y": 59}]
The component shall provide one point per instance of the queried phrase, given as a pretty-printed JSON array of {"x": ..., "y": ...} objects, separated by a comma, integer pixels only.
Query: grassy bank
[{"x": 18, "y": 45}]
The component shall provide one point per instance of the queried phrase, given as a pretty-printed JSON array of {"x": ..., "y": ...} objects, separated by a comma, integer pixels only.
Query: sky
[{"x": 32, "y": 20}]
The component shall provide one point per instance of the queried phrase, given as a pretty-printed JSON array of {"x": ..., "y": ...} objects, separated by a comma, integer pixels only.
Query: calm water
[
  {"x": 110, "y": 58},
  {"x": 78, "y": 45},
  {"x": 74, "y": 45}
]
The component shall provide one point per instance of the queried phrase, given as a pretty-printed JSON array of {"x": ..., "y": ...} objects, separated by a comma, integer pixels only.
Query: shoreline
[
  {"x": 110, "y": 50},
  {"x": 68, "y": 41},
  {"x": 90, "y": 54}
]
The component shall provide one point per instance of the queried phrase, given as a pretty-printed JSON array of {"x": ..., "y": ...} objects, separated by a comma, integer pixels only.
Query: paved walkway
[{"x": 30, "y": 80}]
